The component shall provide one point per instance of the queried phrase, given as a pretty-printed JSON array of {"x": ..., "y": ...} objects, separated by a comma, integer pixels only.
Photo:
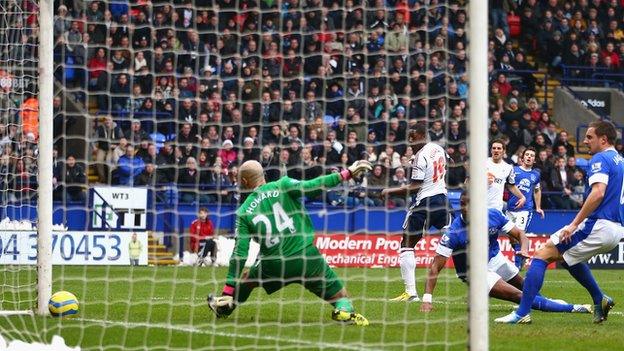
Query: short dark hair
[
  {"x": 498, "y": 141},
  {"x": 605, "y": 128},
  {"x": 419, "y": 130},
  {"x": 203, "y": 209},
  {"x": 530, "y": 148}
]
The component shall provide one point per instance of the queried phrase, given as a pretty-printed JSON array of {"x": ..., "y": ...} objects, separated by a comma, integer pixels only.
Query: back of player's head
[
  {"x": 606, "y": 129},
  {"x": 251, "y": 174}
]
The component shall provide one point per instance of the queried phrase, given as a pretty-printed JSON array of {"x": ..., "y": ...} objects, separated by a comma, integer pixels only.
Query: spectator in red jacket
[
  {"x": 202, "y": 231},
  {"x": 610, "y": 52},
  {"x": 227, "y": 153},
  {"x": 503, "y": 85}
]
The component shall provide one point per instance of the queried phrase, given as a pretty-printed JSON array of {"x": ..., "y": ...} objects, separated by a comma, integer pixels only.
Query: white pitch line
[{"x": 225, "y": 334}]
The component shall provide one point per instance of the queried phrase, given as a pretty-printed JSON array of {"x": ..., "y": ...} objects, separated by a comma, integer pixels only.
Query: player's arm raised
[
  {"x": 432, "y": 278},
  {"x": 313, "y": 186}
]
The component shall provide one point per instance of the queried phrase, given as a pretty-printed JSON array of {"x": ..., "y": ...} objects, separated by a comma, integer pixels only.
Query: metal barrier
[{"x": 591, "y": 76}]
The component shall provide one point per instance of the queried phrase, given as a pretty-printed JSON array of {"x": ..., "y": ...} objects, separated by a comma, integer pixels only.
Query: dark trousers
[{"x": 209, "y": 246}]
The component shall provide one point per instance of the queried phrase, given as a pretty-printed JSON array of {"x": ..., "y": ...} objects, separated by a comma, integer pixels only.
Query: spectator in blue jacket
[{"x": 129, "y": 167}]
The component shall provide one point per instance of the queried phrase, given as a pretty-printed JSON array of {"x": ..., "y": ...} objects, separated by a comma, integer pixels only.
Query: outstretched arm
[
  {"x": 313, "y": 186},
  {"x": 432, "y": 278},
  {"x": 402, "y": 190}
]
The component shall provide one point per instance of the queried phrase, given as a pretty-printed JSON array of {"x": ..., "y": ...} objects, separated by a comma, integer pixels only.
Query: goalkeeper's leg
[
  {"x": 321, "y": 280},
  {"x": 344, "y": 311}
]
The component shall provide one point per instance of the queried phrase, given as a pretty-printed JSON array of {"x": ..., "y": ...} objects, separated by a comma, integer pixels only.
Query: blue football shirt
[
  {"x": 608, "y": 167},
  {"x": 455, "y": 241},
  {"x": 527, "y": 182}
]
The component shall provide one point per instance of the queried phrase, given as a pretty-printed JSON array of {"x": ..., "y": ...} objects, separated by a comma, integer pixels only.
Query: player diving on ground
[
  {"x": 503, "y": 279},
  {"x": 273, "y": 215}
]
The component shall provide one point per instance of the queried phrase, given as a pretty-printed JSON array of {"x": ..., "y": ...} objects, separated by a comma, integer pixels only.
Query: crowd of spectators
[
  {"x": 572, "y": 33},
  {"x": 183, "y": 91}
]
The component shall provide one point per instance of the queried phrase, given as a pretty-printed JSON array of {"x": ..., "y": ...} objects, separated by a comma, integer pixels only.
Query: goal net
[
  {"x": 18, "y": 145},
  {"x": 158, "y": 103}
]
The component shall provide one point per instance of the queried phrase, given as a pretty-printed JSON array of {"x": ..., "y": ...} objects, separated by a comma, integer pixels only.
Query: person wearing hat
[
  {"x": 227, "y": 153},
  {"x": 250, "y": 151},
  {"x": 512, "y": 112},
  {"x": 136, "y": 134}
]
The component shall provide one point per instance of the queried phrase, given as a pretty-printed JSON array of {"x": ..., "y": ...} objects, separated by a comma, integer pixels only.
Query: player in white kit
[
  {"x": 429, "y": 206},
  {"x": 500, "y": 176}
]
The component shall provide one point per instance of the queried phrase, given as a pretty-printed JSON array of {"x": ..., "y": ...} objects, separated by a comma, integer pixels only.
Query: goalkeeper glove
[
  {"x": 223, "y": 305},
  {"x": 357, "y": 169}
]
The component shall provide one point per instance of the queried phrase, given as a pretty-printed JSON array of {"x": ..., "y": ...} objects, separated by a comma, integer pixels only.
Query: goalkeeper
[{"x": 273, "y": 216}]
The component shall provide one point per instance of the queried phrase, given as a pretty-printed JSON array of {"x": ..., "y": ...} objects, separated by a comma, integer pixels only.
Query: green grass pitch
[{"x": 164, "y": 308}]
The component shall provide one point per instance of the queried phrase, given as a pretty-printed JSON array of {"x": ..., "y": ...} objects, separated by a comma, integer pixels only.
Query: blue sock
[
  {"x": 532, "y": 285},
  {"x": 517, "y": 259},
  {"x": 543, "y": 304},
  {"x": 583, "y": 275}
]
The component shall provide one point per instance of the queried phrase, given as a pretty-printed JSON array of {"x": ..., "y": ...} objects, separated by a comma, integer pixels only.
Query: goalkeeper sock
[
  {"x": 532, "y": 285},
  {"x": 547, "y": 305},
  {"x": 343, "y": 304},
  {"x": 584, "y": 276},
  {"x": 407, "y": 261}
]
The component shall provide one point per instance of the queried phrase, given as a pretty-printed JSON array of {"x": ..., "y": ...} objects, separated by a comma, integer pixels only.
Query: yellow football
[{"x": 63, "y": 304}]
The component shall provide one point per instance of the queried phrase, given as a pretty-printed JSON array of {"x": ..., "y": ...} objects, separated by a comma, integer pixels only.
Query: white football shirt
[
  {"x": 429, "y": 166},
  {"x": 498, "y": 175}
]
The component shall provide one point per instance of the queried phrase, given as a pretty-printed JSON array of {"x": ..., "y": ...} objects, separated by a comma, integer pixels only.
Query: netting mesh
[
  {"x": 172, "y": 97},
  {"x": 18, "y": 142}
]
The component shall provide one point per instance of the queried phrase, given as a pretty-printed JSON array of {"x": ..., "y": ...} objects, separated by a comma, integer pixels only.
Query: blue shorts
[{"x": 430, "y": 212}]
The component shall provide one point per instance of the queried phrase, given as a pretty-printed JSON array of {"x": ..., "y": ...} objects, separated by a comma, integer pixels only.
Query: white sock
[{"x": 407, "y": 261}]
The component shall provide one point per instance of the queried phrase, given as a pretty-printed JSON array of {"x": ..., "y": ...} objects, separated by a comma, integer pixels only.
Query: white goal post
[
  {"x": 44, "y": 176},
  {"x": 477, "y": 146}
]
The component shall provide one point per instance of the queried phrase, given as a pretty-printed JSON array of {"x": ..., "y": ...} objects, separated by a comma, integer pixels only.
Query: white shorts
[
  {"x": 591, "y": 238},
  {"x": 520, "y": 218},
  {"x": 492, "y": 278},
  {"x": 500, "y": 265}
]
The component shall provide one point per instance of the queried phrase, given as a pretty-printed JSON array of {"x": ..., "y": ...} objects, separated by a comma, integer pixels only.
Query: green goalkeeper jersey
[{"x": 274, "y": 216}]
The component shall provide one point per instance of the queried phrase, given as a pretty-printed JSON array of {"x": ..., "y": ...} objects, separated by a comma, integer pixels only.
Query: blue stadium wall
[{"x": 177, "y": 218}]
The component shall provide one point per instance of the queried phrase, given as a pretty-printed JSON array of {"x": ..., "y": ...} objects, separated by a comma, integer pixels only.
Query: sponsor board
[
  {"x": 72, "y": 248},
  {"x": 612, "y": 259},
  {"x": 379, "y": 250},
  {"x": 118, "y": 208},
  {"x": 597, "y": 101}
]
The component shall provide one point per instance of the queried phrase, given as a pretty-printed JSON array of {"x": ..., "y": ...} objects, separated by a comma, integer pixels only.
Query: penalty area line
[{"x": 224, "y": 334}]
